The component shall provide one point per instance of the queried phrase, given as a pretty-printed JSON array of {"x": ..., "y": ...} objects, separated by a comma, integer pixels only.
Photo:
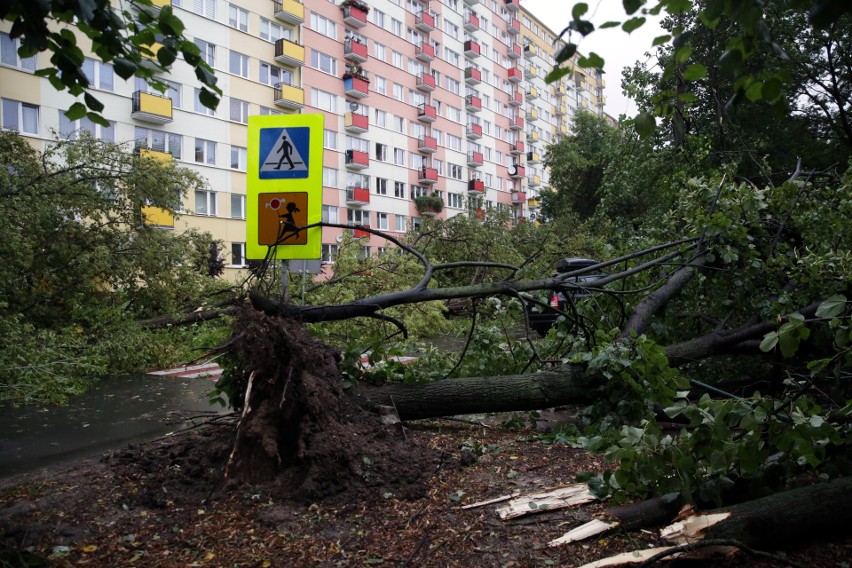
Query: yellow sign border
[{"x": 312, "y": 185}]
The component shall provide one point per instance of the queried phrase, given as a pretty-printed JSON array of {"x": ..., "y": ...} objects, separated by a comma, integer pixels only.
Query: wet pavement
[{"x": 114, "y": 413}]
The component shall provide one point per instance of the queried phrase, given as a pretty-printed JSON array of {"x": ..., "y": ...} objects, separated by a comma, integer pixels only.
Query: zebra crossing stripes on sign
[{"x": 284, "y": 152}]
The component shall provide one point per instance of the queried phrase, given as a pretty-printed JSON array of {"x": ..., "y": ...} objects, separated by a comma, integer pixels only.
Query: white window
[
  {"x": 381, "y": 186},
  {"x": 99, "y": 74},
  {"x": 381, "y": 118},
  {"x": 451, "y": 56},
  {"x": 381, "y": 85},
  {"x": 379, "y": 51},
  {"x": 272, "y": 75},
  {"x": 398, "y": 189},
  {"x": 396, "y": 27},
  {"x": 399, "y": 156},
  {"x": 237, "y": 18},
  {"x": 238, "y": 254},
  {"x": 20, "y": 116},
  {"x": 9, "y": 54},
  {"x": 323, "y": 62},
  {"x": 397, "y": 91},
  {"x": 455, "y": 171},
  {"x": 238, "y": 64},
  {"x": 377, "y": 17},
  {"x": 329, "y": 252},
  {"x": 174, "y": 92},
  {"x": 266, "y": 111},
  {"x": 396, "y": 60},
  {"x": 358, "y": 217},
  {"x": 399, "y": 124},
  {"x": 329, "y": 139},
  {"x": 159, "y": 141},
  {"x": 451, "y": 29},
  {"x": 205, "y": 8},
  {"x": 205, "y": 203},
  {"x": 238, "y": 158},
  {"x": 208, "y": 52},
  {"x": 239, "y": 111},
  {"x": 453, "y": 142},
  {"x": 382, "y": 221},
  {"x": 454, "y": 200},
  {"x": 381, "y": 152},
  {"x": 329, "y": 214},
  {"x": 205, "y": 152},
  {"x": 238, "y": 206},
  {"x": 323, "y": 25},
  {"x": 453, "y": 86},
  {"x": 323, "y": 100},
  {"x": 200, "y": 107},
  {"x": 400, "y": 223},
  {"x": 70, "y": 129},
  {"x": 329, "y": 177},
  {"x": 270, "y": 31}
]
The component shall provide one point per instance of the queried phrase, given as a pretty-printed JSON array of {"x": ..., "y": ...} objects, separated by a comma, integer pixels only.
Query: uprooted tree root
[{"x": 297, "y": 426}]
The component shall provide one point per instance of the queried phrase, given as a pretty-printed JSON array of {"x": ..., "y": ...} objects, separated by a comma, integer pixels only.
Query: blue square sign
[{"x": 284, "y": 153}]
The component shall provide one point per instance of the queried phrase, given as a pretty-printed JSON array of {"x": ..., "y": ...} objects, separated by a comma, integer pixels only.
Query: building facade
[{"x": 420, "y": 98}]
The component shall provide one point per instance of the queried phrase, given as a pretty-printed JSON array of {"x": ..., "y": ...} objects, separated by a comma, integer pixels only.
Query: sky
[{"x": 618, "y": 49}]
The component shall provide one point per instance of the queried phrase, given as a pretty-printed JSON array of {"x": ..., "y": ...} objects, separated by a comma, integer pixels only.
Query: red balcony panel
[
  {"x": 515, "y": 75},
  {"x": 357, "y": 196},
  {"x": 428, "y": 144},
  {"x": 519, "y": 197},
  {"x": 425, "y": 22},
  {"x": 516, "y": 99},
  {"x": 426, "y": 82},
  {"x": 474, "y": 131},
  {"x": 517, "y": 123},
  {"x": 355, "y": 51},
  {"x": 361, "y": 234},
  {"x": 513, "y": 5},
  {"x": 427, "y": 113},
  {"x": 355, "y": 159},
  {"x": 428, "y": 175},
  {"x": 476, "y": 185},
  {"x": 515, "y": 51},
  {"x": 474, "y": 159},
  {"x": 514, "y": 27},
  {"x": 517, "y": 171},
  {"x": 471, "y": 22},
  {"x": 473, "y": 103},
  {"x": 472, "y": 76},
  {"x": 356, "y": 87},
  {"x": 517, "y": 148},
  {"x": 354, "y": 122},
  {"x": 471, "y": 49},
  {"x": 425, "y": 52},
  {"x": 354, "y": 16}
]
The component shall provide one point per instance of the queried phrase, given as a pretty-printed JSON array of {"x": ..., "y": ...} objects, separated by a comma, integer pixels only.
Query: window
[
  {"x": 454, "y": 200},
  {"x": 451, "y": 56},
  {"x": 237, "y": 18},
  {"x": 70, "y": 129},
  {"x": 382, "y": 221},
  {"x": 238, "y": 206},
  {"x": 399, "y": 124},
  {"x": 205, "y": 203},
  {"x": 451, "y": 29},
  {"x": 381, "y": 186},
  {"x": 418, "y": 191},
  {"x": 266, "y": 111},
  {"x": 381, "y": 152},
  {"x": 399, "y": 156},
  {"x": 379, "y": 51},
  {"x": 396, "y": 60},
  {"x": 238, "y": 254},
  {"x": 400, "y": 223},
  {"x": 397, "y": 91},
  {"x": 270, "y": 31},
  {"x": 200, "y": 107},
  {"x": 329, "y": 177},
  {"x": 358, "y": 217},
  {"x": 9, "y": 54},
  {"x": 208, "y": 52},
  {"x": 453, "y": 86},
  {"x": 323, "y": 25},
  {"x": 396, "y": 27},
  {"x": 159, "y": 141},
  {"x": 272, "y": 75},
  {"x": 20, "y": 116},
  {"x": 174, "y": 92},
  {"x": 205, "y": 8},
  {"x": 329, "y": 252},
  {"x": 378, "y": 17},
  {"x": 329, "y": 139},
  {"x": 323, "y": 100},
  {"x": 329, "y": 214},
  {"x": 239, "y": 111},
  {"x": 99, "y": 74},
  {"x": 381, "y": 118},
  {"x": 323, "y": 62},
  {"x": 381, "y": 85},
  {"x": 238, "y": 64},
  {"x": 455, "y": 171},
  {"x": 453, "y": 142},
  {"x": 238, "y": 158},
  {"x": 205, "y": 152},
  {"x": 399, "y": 189}
]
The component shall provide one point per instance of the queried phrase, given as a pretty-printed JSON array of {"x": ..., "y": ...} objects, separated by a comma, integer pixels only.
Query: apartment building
[{"x": 431, "y": 108}]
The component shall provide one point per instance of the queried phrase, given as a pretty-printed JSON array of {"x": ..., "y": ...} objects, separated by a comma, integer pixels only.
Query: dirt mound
[{"x": 299, "y": 430}]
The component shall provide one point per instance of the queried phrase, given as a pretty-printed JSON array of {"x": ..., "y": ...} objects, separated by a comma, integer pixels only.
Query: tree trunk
[{"x": 566, "y": 385}]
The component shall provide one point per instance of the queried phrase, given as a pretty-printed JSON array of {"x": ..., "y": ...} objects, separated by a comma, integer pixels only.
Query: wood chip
[
  {"x": 590, "y": 529},
  {"x": 560, "y": 498}
]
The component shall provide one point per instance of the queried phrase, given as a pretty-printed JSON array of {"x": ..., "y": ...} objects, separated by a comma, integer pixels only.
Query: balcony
[
  {"x": 289, "y": 53},
  {"x": 427, "y": 113},
  {"x": 471, "y": 2},
  {"x": 425, "y": 52},
  {"x": 560, "y": 91},
  {"x": 357, "y": 160},
  {"x": 427, "y": 176},
  {"x": 530, "y": 50},
  {"x": 517, "y": 123},
  {"x": 425, "y": 83},
  {"x": 532, "y": 115},
  {"x": 531, "y": 94},
  {"x": 516, "y": 99},
  {"x": 563, "y": 130},
  {"x": 517, "y": 149},
  {"x": 355, "y": 51},
  {"x": 531, "y": 72},
  {"x": 473, "y": 103},
  {"x": 357, "y": 86},
  {"x": 474, "y": 159},
  {"x": 532, "y": 136},
  {"x": 425, "y": 22},
  {"x": 472, "y": 76},
  {"x": 517, "y": 171},
  {"x": 513, "y": 5},
  {"x": 534, "y": 181},
  {"x": 361, "y": 233},
  {"x": 290, "y": 11},
  {"x": 514, "y": 27},
  {"x": 355, "y": 15},
  {"x": 474, "y": 131},
  {"x": 533, "y": 203},
  {"x": 357, "y": 196},
  {"x": 519, "y": 197},
  {"x": 514, "y": 75},
  {"x": 356, "y": 123},
  {"x": 533, "y": 157},
  {"x": 427, "y": 144},
  {"x": 471, "y": 49},
  {"x": 476, "y": 186},
  {"x": 514, "y": 51},
  {"x": 149, "y": 61},
  {"x": 158, "y": 217},
  {"x": 149, "y": 107},
  {"x": 478, "y": 214},
  {"x": 561, "y": 110},
  {"x": 471, "y": 21}
]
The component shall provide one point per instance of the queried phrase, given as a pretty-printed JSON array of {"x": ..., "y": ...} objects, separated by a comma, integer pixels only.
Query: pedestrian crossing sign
[{"x": 284, "y": 186}]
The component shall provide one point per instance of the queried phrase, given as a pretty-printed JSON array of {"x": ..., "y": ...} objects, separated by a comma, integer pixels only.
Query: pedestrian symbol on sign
[{"x": 284, "y": 153}]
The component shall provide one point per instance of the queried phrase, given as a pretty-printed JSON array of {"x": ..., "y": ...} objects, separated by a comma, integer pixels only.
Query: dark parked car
[{"x": 542, "y": 318}]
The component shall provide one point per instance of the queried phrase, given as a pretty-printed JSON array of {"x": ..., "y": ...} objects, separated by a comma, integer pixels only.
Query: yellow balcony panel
[
  {"x": 161, "y": 3},
  {"x": 150, "y": 61},
  {"x": 155, "y": 155},
  {"x": 158, "y": 217},
  {"x": 149, "y": 107},
  {"x": 288, "y": 96},
  {"x": 290, "y": 11},
  {"x": 289, "y": 52}
]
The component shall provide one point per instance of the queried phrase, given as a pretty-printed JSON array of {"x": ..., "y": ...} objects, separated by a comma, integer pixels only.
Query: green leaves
[
  {"x": 633, "y": 24},
  {"x": 832, "y": 306}
]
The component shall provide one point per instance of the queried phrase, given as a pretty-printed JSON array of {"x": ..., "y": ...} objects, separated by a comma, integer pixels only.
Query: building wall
[{"x": 241, "y": 34}]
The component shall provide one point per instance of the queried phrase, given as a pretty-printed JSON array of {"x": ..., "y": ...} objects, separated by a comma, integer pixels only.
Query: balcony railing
[
  {"x": 426, "y": 82},
  {"x": 357, "y": 196},
  {"x": 471, "y": 49},
  {"x": 425, "y": 22},
  {"x": 425, "y": 52},
  {"x": 474, "y": 131},
  {"x": 355, "y": 51},
  {"x": 289, "y": 52},
  {"x": 357, "y": 160},
  {"x": 290, "y": 11},
  {"x": 474, "y": 159},
  {"x": 355, "y": 122},
  {"x": 514, "y": 27},
  {"x": 513, "y": 5},
  {"x": 532, "y": 94},
  {"x": 472, "y": 76},
  {"x": 357, "y": 86},
  {"x": 427, "y": 144},
  {"x": 516, "y": 99},
  {"x": 514, "y": 51},
  {"x": 476, "y": 186},
  {"x": 533, "y": 158},
  {"x": 354, "y": 16},
  {"x": 471, "y": 21},
  {"x": 517, "y": 148},
  {"x": 517, "y": 123},
  {"x": 514, "y": 75},
  {"x": 473, "y": 103},
  {"x": 288, "y": 96},
  {"x": 427, "y": 175},
  {"x": 149, "y": 107},
  {"x": 519, "y": 197},
  {"x": 517, "y": 171},
  {"x": 427, "y": 113}
]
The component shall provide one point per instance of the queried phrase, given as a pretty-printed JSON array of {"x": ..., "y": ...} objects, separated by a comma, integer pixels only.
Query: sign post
[{"x": 284, "y": 186}]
